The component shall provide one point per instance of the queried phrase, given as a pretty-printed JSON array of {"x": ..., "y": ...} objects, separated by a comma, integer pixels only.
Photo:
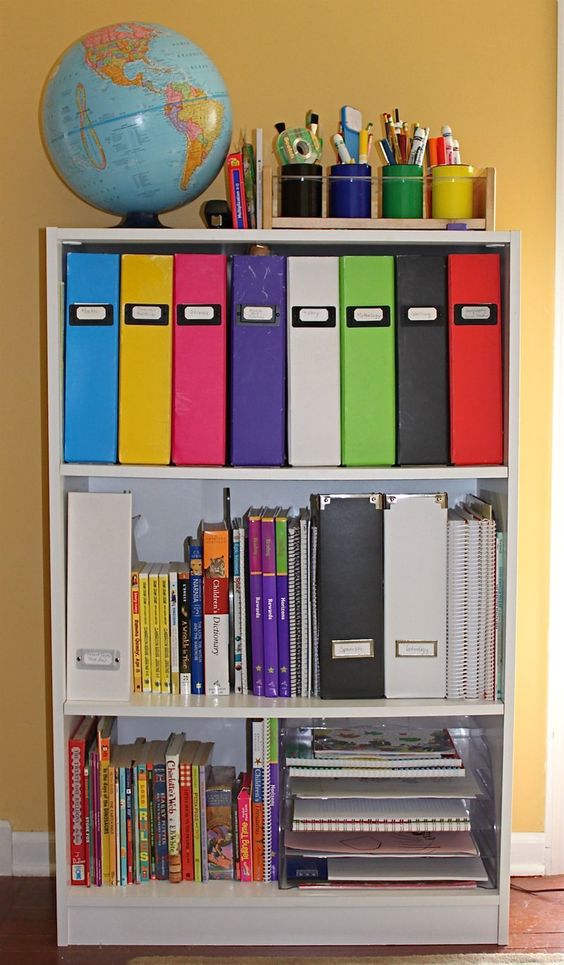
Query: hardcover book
[{"x": 218, "y": 821}]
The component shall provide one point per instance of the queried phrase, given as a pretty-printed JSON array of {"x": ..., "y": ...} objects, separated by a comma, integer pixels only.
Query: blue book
[
  {"x": 196, "y": 616},
  {"x": 91, "y": 357},
  {"x": 159, "y": 815}
]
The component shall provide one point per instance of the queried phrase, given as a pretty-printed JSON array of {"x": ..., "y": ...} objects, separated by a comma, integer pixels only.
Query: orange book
[{"x": 215, "y": 552}]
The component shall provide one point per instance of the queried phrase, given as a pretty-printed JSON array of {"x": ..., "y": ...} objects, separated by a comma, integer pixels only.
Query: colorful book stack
[
  {"x": 159, "y": 809},
  {"x": 314, "y": 591},
  {"x": 383, "y": 359},
  {"x": 381, "y": 805}
]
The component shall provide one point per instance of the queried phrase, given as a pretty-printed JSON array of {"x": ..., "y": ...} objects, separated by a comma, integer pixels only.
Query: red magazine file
[
  {"x": 476, "y": 390},
  {"x": 199, "y": 360}
]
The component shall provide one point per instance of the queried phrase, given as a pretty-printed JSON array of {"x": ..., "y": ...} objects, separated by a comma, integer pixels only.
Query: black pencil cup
[{"x": 301, "y": 191}]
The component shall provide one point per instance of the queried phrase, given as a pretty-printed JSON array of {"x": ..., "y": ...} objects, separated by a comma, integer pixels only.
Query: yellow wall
[{"x": 488, "y": 68}]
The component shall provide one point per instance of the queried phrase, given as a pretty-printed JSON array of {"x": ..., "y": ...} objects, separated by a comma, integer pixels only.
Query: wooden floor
[{"x": 28, "y": 936}]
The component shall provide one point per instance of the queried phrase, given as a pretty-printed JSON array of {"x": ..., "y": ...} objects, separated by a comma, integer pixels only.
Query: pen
[
  {"x": 341, "y": 147},
  {"x": 363, "y": 146}
]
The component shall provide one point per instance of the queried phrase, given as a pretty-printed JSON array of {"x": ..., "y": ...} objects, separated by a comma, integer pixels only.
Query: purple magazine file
[{"x": 258, "y": 360}]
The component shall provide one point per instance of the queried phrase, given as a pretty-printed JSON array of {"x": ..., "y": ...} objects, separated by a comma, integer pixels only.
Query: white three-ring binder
[
  {"x": 98, "y": 596},
  {"x": 415, "y": 571},
  {"x": 314, "y": 394}
]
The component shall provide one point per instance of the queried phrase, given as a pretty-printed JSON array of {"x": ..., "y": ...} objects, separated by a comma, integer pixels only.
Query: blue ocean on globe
[{"x": 136, "y": 118}]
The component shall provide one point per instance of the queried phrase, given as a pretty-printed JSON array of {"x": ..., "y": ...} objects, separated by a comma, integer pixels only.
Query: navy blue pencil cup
[{"x": 350, "y": 191}]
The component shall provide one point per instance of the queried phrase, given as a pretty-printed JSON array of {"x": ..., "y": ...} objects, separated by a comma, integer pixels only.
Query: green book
[{"x": 368, "y": 379}]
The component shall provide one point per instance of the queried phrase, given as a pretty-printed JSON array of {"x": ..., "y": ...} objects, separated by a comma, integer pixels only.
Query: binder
[
  {"x": 199, "y": 360},
  {"x": 350, "y": 595},
  {"x": 91, "y": 357},
  {"x": 145, "y": 386},
  {"x": 475, "y": 321},
  {"x": 98, "y": 596},
  {"x": 258, "y": 360},
  {"x": 368, "y": 384},
  {"x": 422, "y": 360},
  {"x": 415, "y": 595},
  {"x": 314, "y": 395}
]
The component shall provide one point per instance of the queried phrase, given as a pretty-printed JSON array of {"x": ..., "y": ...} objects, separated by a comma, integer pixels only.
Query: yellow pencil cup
[{"x": 453, "y": 186}]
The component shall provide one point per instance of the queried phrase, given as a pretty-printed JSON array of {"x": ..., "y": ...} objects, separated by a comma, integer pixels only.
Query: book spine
[
  {"x": 123, "y": 826},
  {"x": 164, "y": 625},
  {"x": 257, "y": 804},
  {"x": 91, "y": 817},
  {"x": 203, "y": 826},
  {"x": 237, "y": 190},
  {"x": 274, "y": 797},
  {"x": 160, "y": 815},
  {"x": 269, "y": 606},
  {"x": 112, "y": 822},
  {"x": 186, "y": 822},
  {"x": 87, "y": 823},
  {"x": 184, "y": 642},
  {"x": 196, "y": 619},
  {"x": 145, "y": 630},
  {"x": 259, "y": 165},
  {"x": 136, "y": 634},
  {"x": 283, "y": 623},
  {"x": 135, "y": 823},
  {"x": 97, "y": 820},
  {"x": 104, "y": 756},
  {"x": 255, "y": 597},
  {"x": 129, "y": 824},
  {"x": 216, "y": 612},
  {"x": 77, "y": 811},
  {"x": 117, "y": 825},
  {"x": 174, "y": 631},
  {"x": 173, "y": 818},
  {"x": 219, "y": 837},
  {"x": 196, "y": 823},
  {"x": 143, "y": 817},
  {"x": 237, "y": 631},
  {"x": 243, "y": 601},
  {"x": 154, "y": 616},
  {"x": 151, "y": 814},
  {"x": 245, "y": 829}
]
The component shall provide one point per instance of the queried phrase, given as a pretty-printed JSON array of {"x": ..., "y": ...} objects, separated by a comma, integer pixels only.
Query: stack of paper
[{"x": 471, "y": 601}]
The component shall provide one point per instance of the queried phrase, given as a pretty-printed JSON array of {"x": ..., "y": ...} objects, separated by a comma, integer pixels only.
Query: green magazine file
[{"x": 368, "y": 381}]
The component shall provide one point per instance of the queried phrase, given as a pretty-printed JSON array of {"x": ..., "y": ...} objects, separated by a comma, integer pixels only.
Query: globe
[{"x": 136, "y": 120}]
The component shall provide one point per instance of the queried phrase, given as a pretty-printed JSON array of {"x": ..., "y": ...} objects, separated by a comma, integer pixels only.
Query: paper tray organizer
[{"x": 483, "y": 213}]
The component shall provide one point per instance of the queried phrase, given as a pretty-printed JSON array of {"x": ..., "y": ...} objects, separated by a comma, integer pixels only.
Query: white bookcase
[{"x": 171, "y": 501}]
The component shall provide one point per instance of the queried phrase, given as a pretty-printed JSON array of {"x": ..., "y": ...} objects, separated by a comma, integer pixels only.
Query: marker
[
  {"x": 363, "y": 147},
  {"x": 341, "y": 147},
  {"x": 447, "y": 134},
  {"x": 455, "y": 151}
]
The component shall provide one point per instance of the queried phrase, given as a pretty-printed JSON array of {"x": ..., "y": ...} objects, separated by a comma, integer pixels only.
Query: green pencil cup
[{"x": 402, "y": 191}]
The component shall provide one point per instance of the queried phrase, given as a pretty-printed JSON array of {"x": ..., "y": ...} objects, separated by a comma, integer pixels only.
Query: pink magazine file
[{"x": 199, "y": 360}]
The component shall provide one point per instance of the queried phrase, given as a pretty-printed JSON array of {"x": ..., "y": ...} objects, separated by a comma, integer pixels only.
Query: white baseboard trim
[
  {"x": 528, "y": 855},
  {"x": 26, "y": 853}
]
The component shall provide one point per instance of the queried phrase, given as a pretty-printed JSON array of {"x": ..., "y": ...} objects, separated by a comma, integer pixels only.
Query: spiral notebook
[{"x": 361, "y": 814}]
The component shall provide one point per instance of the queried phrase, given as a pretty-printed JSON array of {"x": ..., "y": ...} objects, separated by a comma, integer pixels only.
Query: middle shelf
[{"x": 239, "y": 706}]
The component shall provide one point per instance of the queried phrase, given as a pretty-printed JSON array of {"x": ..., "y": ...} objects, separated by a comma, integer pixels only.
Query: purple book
[
  {"x": 255, "y": 601},
  {"x": 283, "y": 624},
  {"x": 269, "y": 614},
  {"x": 258, "y": 360}
]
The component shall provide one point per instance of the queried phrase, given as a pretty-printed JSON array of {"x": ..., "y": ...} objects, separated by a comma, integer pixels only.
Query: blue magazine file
[{"x": 91, "y": 357}]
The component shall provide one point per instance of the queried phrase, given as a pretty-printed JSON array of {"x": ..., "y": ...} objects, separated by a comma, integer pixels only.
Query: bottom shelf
[{"x": 228, "y": 913}]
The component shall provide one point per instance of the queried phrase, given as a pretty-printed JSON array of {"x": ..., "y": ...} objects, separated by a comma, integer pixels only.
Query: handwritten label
[
  {"x": 352, "y": 649},
  {"x": 422, "y": 314},
  {"x": 416, "y": 648}
]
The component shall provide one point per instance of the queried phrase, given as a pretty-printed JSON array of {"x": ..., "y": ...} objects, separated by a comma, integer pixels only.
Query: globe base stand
[{"x": 140, "y": 219}]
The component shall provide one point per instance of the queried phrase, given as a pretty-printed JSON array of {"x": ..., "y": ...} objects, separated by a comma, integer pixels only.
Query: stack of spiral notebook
[
  {"x": 471, "y": 600},
  {"x": 378, "y": 806}
]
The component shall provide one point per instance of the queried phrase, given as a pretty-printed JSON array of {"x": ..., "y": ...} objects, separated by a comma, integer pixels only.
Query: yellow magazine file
[{"x": 145, "y": 376}]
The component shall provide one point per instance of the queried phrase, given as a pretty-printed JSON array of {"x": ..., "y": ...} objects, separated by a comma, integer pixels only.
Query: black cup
[{"x": 301, "y": 191}]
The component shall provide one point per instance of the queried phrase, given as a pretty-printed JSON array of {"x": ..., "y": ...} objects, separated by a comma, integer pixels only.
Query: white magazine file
[
  {"x": 415, "y": 570},
  {"x": 98, "y": 596},
  {"x": 314, "y": 393}
]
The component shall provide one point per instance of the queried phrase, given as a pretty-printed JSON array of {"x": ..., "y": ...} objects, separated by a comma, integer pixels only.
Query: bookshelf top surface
[{"x": 284, "y": 472}]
